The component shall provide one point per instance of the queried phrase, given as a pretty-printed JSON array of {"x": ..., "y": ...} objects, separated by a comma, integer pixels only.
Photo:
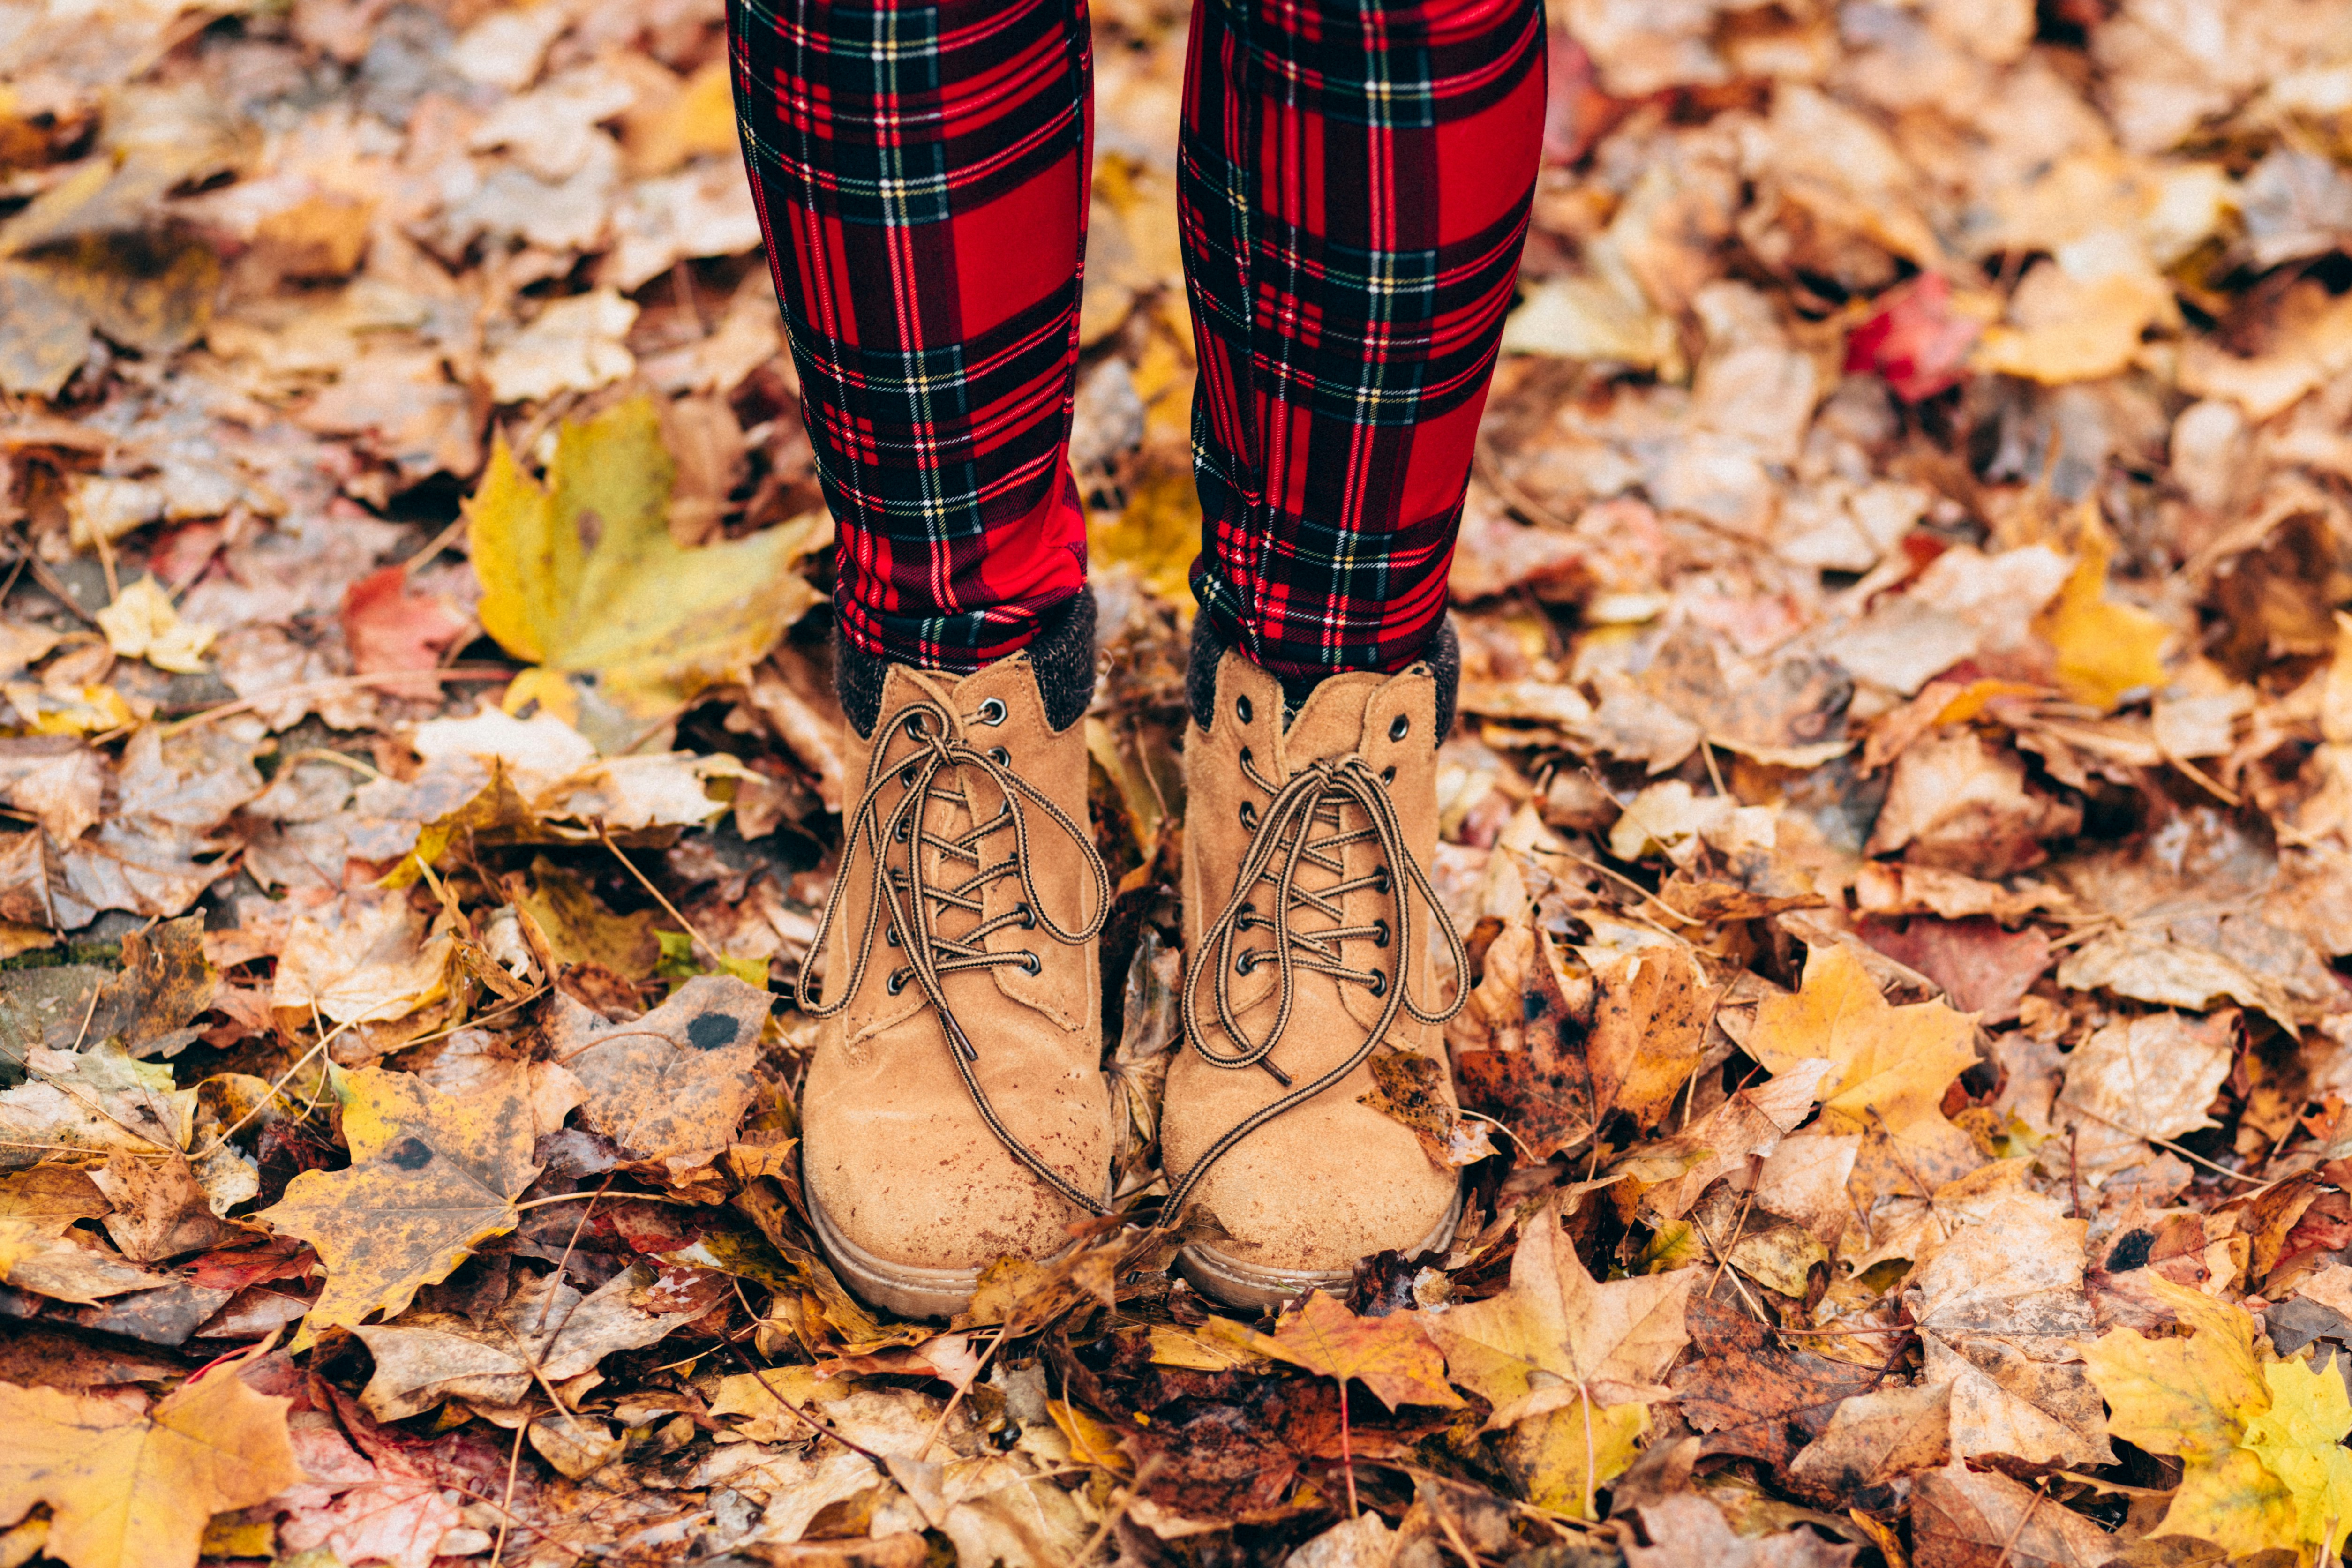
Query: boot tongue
[{"x": 1330, "y": 722}]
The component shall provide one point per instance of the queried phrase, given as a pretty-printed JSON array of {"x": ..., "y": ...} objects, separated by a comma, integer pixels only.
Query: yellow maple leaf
[
  {"x": 2105, "y": 648},
  {"x": 1890, "y": 1068},
  {"x": 2261, "y": 1440},
  {"x": 1562, "y": 1455},
  {"x": 1556, "y": 1337},
  {"x": 130, "y": 1489},
  {"x": 432, "y": 1176},
  {"x": 582, "y": 576}
]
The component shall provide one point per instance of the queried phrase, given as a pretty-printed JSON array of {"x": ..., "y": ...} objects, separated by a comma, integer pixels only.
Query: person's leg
[
  {"x": 1355, "y": 178},
  {"x": 921, "y": 171},
  {"x": 1354, "y": 184}
]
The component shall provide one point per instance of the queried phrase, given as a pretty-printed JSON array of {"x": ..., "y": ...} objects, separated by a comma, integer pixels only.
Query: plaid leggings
[{"x": 1353, "y": 184}]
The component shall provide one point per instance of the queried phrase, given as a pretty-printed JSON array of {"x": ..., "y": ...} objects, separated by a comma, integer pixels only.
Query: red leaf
[
  {"x": 390, "y": 628},
  {"x": 1914, "y": 341}
]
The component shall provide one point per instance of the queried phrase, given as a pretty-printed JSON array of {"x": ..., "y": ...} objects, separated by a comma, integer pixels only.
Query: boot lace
[
  {"x": 1298, "y": 845},
  {"x": 925, "y": 752}
]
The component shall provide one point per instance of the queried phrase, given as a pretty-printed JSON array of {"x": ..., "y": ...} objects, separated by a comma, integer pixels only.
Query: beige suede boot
[
  {"x": 956, "y": 1109},
  {"x": 1307, "y": 910}
]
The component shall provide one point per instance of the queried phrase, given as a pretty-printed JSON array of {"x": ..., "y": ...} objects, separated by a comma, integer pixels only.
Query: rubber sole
[
  {"x": 1227, "y": 1279},
  {"x": 904, "y": 1289}
]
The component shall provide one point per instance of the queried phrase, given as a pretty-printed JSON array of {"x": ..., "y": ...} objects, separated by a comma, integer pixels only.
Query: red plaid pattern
[{"x": 1353, "y": 188}]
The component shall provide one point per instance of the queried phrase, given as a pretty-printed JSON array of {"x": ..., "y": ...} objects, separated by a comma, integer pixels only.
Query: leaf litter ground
[{"x": 1899, "y": 817}]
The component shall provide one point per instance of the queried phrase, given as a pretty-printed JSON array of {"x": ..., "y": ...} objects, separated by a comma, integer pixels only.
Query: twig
[
  {"x": 1637, "y": 888},
  {"x": 505, "y": 1509},
  {"x": 440, "y": 542},
  {"x": 1151, "y": 1467},
  {"x": 684, "y": 924},
  {"x": 802, "y": 1416},
  {"x": 593, "y": 1197},
  {"x": 2175, "y": 1149},
  {"x": 1004, "y": 1332}
]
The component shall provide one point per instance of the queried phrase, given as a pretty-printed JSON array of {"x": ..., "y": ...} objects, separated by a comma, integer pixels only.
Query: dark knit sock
[
  {"x": 1443, "y": 655},
  {"x": 1063, "y": 651}
]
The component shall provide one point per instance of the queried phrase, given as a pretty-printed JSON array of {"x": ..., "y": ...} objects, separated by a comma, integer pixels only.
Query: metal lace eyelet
[
  {"x": 1244, "y": 962},
  {"x": 992, "y": 711},
  {"x": 1247, "y": 918},
  {"x": 1001, "y": 757},
  {"x": 1388, "y": 775},
  {"x": 901, "y": 834},
  {"x": 915, "y": 724},
  {"x": 1249, "y": 815},
  {"x": 1380, "y": 984},
  {"x": 1245, "y": 757},
  {"x": 890, "y": 935},
  {"x": 1028, "y": 917},
  {"x": 1382, "y": 873},
  {"x": 1398, "y": 728},
  {"x": 1033, "y": 964},
  {"x": 907, "y": 775},
  {"x": 1381, "y": 926},
  {"x": 897, "y": 982},
  {"x": 1242, "y": 709}
]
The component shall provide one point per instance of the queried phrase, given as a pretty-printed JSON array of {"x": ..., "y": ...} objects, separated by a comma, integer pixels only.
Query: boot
[
  {"x": 1307, "y": 911},
  {"x": 956, "y": 1110}
]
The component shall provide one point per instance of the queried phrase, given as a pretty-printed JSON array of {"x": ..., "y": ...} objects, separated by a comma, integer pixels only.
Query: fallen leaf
[
  {"x": 676, "y": 1080},
  {"x": 1983, "y": 968},
  {"x": 1392, "y": 1356},
  {"x": 2259, "y": 1439},
  {"x": 2002, "y": 1316},
  {"x": 430, "y": 1176},
  {"x": 160, "y": 1211},
  {"x": 390, "y": 626},
  {"x": 2153, "y": 1076},
  {"x": 1410, "y": 1088},
  {"x": 1751, "y": 1394},
  {"x": 144, "y": 624},
  {"x": 545, "y": 1330},
  {"x": 582, "y": 576},
  {"x": 1890, "y": 1068},
  {"x": 1915, "y": 340},
  {"x": 1750, "y": 1123},
  {"x": 41, "y": 1259},
  {"x": 1555, "y": 1337},
  {"x": 1966, "y": 1519},
  {"x": 1688, "y": 1532},
  {"x": 133, "y": 1489},
  {"x": 1873, "y": 1440},
  {"x": 2106, "y": 649}
]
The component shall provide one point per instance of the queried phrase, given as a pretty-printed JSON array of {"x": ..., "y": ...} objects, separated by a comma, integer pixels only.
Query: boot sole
[
  {"x": 903, "y": 1289},
  {"x": 1228, "y": 1279}
]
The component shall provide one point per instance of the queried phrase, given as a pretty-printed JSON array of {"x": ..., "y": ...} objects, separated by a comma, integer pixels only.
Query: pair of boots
[{"x": 956, "y": 1110}]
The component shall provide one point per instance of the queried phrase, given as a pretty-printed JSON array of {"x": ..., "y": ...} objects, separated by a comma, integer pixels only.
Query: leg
[
  {"x": 1354, "y": 185},
  {"x": 1355, "y": 179},
  {"x": 921, "y": 171}
]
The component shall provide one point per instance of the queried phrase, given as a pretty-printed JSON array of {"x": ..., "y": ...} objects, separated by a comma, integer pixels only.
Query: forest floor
[{"x": 1900, "y": 815}]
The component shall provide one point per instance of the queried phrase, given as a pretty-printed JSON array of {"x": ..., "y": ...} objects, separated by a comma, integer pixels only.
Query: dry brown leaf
[{"x": 674, "y": 1080}]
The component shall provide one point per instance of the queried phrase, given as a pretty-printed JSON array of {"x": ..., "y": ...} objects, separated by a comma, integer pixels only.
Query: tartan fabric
[
  {"x": 1353, "y": 185},
  {"x": 920, "y": 172},
  {"x": 1353, "y": 189}
]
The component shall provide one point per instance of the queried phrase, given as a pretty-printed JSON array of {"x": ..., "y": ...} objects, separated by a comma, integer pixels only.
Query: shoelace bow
[
  {"x": 915, "y": 904},
  {"x": 1316, "y": 798}
]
